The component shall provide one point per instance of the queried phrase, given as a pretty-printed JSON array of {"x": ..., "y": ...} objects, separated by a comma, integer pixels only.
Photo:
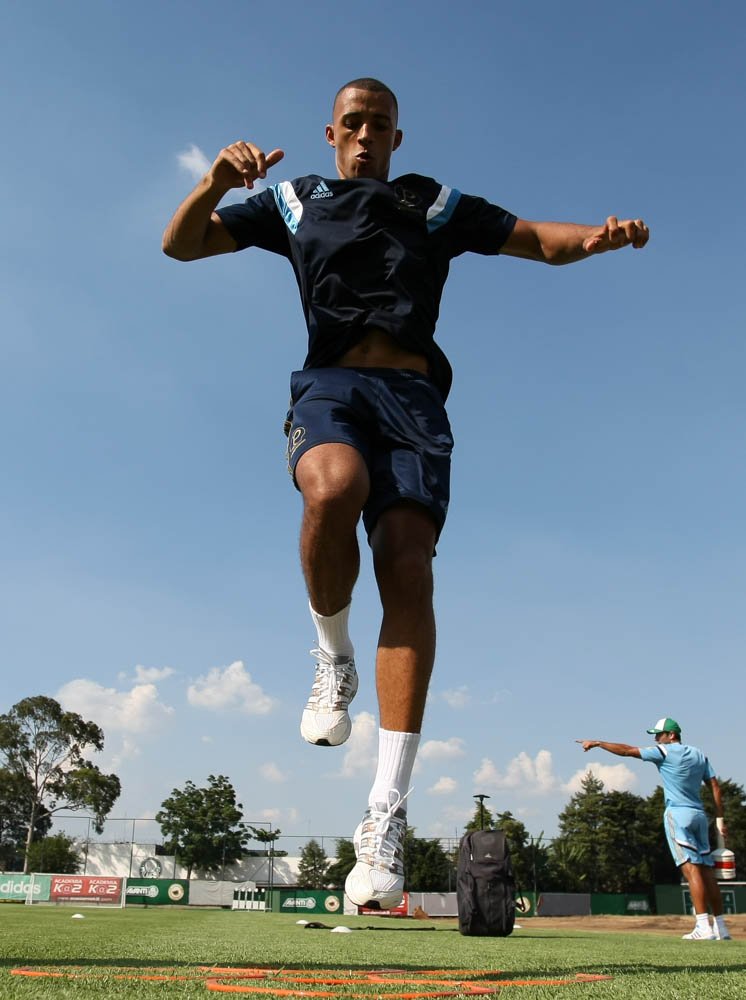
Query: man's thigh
[
  {"x": 326, "y": 407},
  {"x": 395, "y": 420},
  {"x": 687, "y": 835}
]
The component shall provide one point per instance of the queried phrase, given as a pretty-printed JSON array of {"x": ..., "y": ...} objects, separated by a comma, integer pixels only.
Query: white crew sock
[
  {"x": 396, "y": 755},
  {"x": 703, "y": 921},
  {"x": 720, "y": 921},
  {"x": 332, "y": 631}
]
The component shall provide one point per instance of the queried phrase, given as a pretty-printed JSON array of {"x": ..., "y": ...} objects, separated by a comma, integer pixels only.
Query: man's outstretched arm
[
  {"x": 195, "y": 231},
  {"x": 567, "y": 242},
  {"x": 620, "y": 749}
]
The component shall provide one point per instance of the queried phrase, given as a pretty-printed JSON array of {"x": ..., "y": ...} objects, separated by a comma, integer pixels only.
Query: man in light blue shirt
[{"x": 683, "y": 769}]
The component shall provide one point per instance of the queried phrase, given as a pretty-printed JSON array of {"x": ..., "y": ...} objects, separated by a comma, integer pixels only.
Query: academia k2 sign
[{"x": 82, "y": 888}]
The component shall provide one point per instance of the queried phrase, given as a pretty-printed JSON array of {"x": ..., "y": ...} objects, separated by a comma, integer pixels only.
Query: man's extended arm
[
  {"x": 620, "y": 749},
  {"x": 195, "y": 231},
  {"x": 567, "y": 242}
]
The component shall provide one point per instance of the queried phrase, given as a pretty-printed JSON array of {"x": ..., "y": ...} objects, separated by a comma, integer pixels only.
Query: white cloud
[
  {"x": 194, "y": 162},
  {"x": 362, "y": 746},
  {"x": 135, "y": 711},
  {"x": 276, "y": 816},
  {"x": 272, "y": 815},
  {"x": 271, "y": 772},
  {"x": 131, "y": 715},
  {"x": 442, "y": 749},
  {"x": 231, "y": 687},
  {"x": 451, "y": 822},
  {"x": 457, "y": 697},
  {"x": 148, "y": 675},
  {"x": 443, "y": 786},
  {"x": 534, "y": 777},
  {"x": 616, "y": 778},
  {"x": 501, "y": 696}
]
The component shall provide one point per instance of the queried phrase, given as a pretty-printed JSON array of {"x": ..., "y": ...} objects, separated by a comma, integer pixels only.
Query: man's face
[
  {"x": 664, "y": 737},
  {"x": 364, "y": 134}
]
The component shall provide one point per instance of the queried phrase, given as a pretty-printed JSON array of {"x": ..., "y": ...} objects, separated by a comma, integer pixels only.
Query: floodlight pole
[
  {"x": 481, "y": 809},
  {"x": 271, "y": 864}
]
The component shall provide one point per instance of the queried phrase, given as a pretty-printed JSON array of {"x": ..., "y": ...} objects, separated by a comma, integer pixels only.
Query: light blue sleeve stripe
[
  {"x": 288, "y": 203},
  {"x": 442, "y": 208}
]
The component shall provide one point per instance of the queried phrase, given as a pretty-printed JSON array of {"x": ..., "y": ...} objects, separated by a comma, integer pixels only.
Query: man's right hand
[{"x": 240, "y": 164}]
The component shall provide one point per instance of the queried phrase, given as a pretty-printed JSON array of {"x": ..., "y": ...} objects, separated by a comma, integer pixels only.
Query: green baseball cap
[{"x": 664, "y": 726}]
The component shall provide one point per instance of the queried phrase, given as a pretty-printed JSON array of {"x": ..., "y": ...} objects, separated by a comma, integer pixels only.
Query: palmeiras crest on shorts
[{"x": 296, "y": 438}]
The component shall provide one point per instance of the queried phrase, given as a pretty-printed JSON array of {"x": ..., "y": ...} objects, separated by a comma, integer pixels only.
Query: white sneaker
[
  {"x": 700, "y": 934},
  {"x": 377, "y": 880},
  {"x": 325, "y": 720},
  {"x": 720, "y": 935}
]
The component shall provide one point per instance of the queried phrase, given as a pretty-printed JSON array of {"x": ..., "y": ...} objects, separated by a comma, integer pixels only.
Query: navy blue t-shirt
[{"x": 369, "y": 253}]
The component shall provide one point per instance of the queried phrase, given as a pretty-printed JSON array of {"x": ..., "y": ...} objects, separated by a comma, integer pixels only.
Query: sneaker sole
[{"x": 327, "y": 741}]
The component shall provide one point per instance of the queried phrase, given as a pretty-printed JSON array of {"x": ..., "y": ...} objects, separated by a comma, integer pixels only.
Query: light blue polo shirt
[{"x": 682, "y": 769}]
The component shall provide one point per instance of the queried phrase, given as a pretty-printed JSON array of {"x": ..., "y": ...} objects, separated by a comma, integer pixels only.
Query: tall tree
[
  {"x": 268, "y": 837},
  {"x": 55, "y": 854},
  {"x": 580, "y": 823},
  {"x": 202, "y": 826},
  {"x": 428, "y": 867},
  {"x": 45, "y": 745},
  {"x": 16, "y": 797},
  {"x": 341, "y": 868},
  {"x": 528, "y": 855},
  {"x": 626, "y": 844},
  {"x": 481, "y": 820},
  {"x": 312, "y": 867},
  {"x": 566, "y": 867}
]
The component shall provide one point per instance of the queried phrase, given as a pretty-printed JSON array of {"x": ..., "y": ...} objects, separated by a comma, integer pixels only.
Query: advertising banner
[
  {"x": 157, "y": 891},
  {"x": 82, "y": 888},
  {"x": 303, "y": 901},
  {"x": 18, "y": 887}
]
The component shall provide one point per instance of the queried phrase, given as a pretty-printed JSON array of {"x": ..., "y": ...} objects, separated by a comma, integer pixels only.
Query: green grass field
[{"x": 111, "y": 943}]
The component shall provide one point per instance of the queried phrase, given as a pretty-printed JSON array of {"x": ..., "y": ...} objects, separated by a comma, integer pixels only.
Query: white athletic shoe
[
  {"x": 325, "y": 720},
  {"x": 377, "y": 880},
  {"x": 699, "y": 934},
  {"x": 720, "y": 935}
]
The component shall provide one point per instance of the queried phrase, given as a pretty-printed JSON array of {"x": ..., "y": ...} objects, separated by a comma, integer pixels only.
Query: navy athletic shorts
[{"x": 396, "y": 420}]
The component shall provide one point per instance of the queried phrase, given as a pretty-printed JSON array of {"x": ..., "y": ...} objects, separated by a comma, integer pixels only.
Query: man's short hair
[{"x": 371, "y": 84}]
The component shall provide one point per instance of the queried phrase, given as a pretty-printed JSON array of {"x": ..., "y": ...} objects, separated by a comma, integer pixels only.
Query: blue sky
[{"x": 591, "y": 575}]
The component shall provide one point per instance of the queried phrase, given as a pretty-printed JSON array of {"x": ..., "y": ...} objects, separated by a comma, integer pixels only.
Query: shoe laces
[
  {"x": 332, "y": 685},
  {"x": 386, "y": 830}
]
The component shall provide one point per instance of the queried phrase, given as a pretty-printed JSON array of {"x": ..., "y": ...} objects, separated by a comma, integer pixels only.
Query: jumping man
[{"x": 368, "y": 433}]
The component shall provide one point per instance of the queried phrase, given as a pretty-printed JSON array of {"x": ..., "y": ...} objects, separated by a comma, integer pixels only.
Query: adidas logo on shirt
[{"x": 322, "y": 191}]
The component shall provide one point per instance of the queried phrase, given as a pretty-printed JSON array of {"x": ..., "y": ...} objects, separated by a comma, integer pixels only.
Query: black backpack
[{"x": 485, "y": 886}]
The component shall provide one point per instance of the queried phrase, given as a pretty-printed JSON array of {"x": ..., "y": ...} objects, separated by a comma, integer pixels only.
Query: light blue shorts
[{"x": 687, "y": 835}]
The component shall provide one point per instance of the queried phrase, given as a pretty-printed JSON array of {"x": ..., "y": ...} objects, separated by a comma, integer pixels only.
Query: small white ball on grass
[{"x": 341, "y": 930}]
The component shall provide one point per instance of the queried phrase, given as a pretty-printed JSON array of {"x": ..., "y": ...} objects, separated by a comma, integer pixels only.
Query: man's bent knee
[{"x": 333, "y": 477}]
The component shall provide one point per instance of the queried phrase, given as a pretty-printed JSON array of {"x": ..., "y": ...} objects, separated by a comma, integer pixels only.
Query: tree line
[{"x": 608, "y": 841}]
